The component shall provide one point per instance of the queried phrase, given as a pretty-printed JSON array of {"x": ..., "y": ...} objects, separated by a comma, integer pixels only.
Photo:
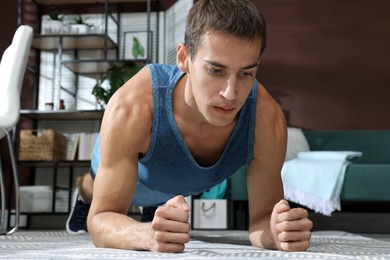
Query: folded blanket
[
  {"x": 314, "y": 179},
  {"x": 329, "y": 155}
]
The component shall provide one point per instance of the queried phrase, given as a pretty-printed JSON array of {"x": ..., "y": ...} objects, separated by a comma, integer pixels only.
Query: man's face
[{"x": 221, "y": 76}]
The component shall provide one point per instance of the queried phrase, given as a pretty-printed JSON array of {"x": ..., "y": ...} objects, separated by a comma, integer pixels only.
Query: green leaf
[
  {"x": 138, "y": 49},
  {"x": 117, "y": 76}
]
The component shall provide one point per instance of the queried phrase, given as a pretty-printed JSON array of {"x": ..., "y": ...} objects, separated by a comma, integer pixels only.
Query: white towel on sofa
[{"x": 314, "y": 179}]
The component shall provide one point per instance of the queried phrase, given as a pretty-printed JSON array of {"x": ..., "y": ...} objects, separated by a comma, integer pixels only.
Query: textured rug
[{"x": 204, "y": 245}]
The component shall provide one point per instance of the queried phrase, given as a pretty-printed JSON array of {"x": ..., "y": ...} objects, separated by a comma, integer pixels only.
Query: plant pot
[
  {"x": 79, "y": 28},
  {"x": 53, "y": 27}
]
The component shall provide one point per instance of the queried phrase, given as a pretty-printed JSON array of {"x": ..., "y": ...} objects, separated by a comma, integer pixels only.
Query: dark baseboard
[
  {"x": 354, "y": 222},
  {"x": 356, "y": 217}
]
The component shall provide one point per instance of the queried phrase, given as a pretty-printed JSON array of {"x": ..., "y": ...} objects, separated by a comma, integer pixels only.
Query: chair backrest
[{"x": 12, "y": 69}]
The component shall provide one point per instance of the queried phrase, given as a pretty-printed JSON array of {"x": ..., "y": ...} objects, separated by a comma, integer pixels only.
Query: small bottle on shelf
[{"x": 62, "y": 104}]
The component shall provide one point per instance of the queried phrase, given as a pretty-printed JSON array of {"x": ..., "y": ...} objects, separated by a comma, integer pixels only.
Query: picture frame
[{"x": 136, "y": 45}]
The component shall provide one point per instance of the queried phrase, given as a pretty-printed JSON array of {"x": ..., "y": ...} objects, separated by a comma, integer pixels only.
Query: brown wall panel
[
  {"x": 327, "y": 61},
  {"x": 8, "y": 21}
]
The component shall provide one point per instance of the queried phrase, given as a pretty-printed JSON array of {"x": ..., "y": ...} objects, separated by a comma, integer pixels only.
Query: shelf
[
  {"x": 96, "y": 68},
  {"x": 63, "y": 114},
  {"x": 59, "y": 164},
  {"x": 51, "y": 42}
]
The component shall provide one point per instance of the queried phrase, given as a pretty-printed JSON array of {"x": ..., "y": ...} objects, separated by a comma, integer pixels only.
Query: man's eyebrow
[
  {"x": 216, "y": 64},
  {"x": 254, "y": 65}
]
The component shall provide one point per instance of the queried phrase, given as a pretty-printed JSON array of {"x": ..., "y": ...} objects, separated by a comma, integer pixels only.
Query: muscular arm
[
  {"x": 125, "y": 134},
  {"x": 125, "y": 127},
  {"x": 272, "y": 224}
]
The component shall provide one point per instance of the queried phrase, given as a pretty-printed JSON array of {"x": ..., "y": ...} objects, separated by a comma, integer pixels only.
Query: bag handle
[{"x": 209, "y": 208}]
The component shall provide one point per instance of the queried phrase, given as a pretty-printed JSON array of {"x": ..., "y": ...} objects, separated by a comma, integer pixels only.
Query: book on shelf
[
  {"x": 75, "y": 146},
  {"x": 80, "y": 146},
  {"x": 72, "y": 145},
  {"x": 85, "y": 146}
]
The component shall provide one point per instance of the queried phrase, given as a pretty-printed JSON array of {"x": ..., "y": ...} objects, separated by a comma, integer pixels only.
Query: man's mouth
[{"x": 224, "y": 109}]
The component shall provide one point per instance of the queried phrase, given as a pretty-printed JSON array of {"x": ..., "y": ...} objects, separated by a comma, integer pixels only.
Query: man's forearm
[
  {"x": 115, "y": 230},
  {"x": 260, "y": 234}
]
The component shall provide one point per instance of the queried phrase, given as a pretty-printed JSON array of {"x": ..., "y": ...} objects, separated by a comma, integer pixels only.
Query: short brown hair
[{"x": 237, "y": 17}]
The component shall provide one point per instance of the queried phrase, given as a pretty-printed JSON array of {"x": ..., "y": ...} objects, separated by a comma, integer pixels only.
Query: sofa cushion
[
  {"x": 329, "y": 155},
  {"x": 362, "y": 183},
  {"x": 366, "y": 182},
  {"x": 374, "y": 144}
]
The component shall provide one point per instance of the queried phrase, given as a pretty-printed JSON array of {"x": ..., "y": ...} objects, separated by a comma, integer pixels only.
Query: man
[{"x": 174, "y": 131}]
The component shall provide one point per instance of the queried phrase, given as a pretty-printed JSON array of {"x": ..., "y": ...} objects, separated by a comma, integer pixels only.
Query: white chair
[{"x": 12, "y": 69}]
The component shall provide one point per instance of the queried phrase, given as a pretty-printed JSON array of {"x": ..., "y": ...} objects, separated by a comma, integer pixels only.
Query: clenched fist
[
  {"x": 290, "y": 227},
  {"x": 170, "y": 227}
]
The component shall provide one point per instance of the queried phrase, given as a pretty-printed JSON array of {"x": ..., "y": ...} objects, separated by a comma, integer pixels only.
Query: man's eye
[
  {"x": 215, "y": 71},
  {"x": 246, "y": 74}
]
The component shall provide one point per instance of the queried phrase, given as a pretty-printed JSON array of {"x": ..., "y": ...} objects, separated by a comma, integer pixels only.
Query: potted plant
[
  {"x": 117, "y": 76},
  {"x": 55, "y": 24},
  {"x": 79, "y": 25}
]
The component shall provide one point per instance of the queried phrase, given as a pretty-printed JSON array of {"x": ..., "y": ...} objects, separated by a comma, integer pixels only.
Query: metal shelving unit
[
  {"x": 93, "y": 67},
  {"x": 55, "y": 165},
  {"x": 62, "y": 114}
]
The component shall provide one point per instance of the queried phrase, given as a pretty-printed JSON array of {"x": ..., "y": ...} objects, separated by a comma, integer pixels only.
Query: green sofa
[{"x": 367, "y": 178}]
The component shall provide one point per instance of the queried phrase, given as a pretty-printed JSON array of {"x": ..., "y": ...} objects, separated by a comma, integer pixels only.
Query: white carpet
[{"x": 204, "y": 245}]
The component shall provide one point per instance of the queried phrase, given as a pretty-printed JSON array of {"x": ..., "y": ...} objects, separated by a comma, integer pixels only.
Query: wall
[
  {"x": 8, "y": 16},
  {"x": 327, "y": 61},
  {"x": 9, "y": 20},
  {"x": 175, "y": 19}
]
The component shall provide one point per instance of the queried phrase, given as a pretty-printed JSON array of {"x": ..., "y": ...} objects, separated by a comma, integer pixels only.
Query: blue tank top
[{"x": 168, "y": 167}]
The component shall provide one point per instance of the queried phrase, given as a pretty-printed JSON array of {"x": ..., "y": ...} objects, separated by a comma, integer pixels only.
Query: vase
[
  {"x": 53, "y": 27},
  {"x": 79, "y": 28}
]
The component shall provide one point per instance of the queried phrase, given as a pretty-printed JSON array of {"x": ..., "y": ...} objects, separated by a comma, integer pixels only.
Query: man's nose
[{"x": 230, "y": 90}]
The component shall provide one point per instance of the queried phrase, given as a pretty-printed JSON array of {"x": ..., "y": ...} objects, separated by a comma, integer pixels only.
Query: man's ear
[{"x": 182, "y": 57}]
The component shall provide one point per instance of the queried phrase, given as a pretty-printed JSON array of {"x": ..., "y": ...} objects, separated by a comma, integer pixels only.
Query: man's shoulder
[
  {"x": 135, "y": 96},
  {"x": 267, "y": 108}
]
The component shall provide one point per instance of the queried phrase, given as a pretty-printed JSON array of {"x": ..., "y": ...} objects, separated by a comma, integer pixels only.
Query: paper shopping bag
[{"x": 210, "y": 214}]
